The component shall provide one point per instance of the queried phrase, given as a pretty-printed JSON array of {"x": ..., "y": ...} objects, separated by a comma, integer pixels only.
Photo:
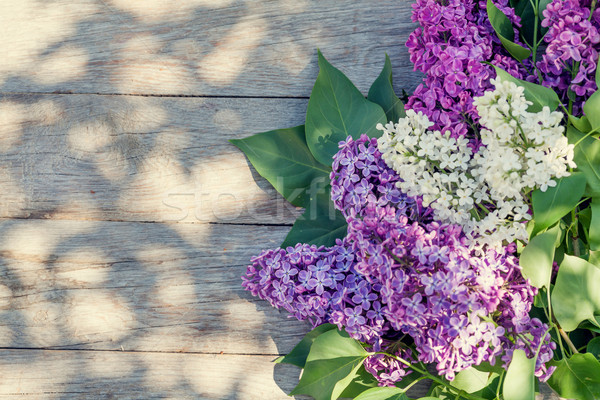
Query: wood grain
[
  {"x": 130, "y": 158},
  {"x": 136, "y": 286},
  {"x": 198, "y": 47},
  {"x": 124, "y": 375}
]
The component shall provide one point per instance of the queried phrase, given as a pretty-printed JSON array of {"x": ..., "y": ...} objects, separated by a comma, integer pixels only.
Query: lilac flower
[
  {"x": 454, "y": 37},
  {"x": 573, "y": 42},
  {"x": 397, "y": 273},
  {"x": 352, "y": 188}
]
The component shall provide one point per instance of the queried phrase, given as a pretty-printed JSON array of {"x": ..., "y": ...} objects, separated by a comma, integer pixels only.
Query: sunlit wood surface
[{"x": 126, "y": 218}]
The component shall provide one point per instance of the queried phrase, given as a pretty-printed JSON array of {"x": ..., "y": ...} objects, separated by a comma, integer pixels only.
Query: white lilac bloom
[{"x": 484, "y": 192}]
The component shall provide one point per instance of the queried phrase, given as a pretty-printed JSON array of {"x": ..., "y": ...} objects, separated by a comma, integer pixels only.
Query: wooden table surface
[{"x": 126, "y": 218}]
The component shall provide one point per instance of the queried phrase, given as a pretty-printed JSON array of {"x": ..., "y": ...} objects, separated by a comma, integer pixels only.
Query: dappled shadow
[{"x": 127, "y": 221}]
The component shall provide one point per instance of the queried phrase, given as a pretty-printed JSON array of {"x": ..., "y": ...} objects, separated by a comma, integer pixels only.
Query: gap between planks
[
  {"x": 130, "y": 351},
  {"x": 191, "y": 96}
]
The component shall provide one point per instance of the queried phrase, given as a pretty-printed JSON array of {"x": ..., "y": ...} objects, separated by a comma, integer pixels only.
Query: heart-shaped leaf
[
  {"x": 540, "y": 96},
  {"x": 577, "y": 377},
  {"x": 537, "y": 257},
  {"x": 336, "y": 110},
  {"x": 331, "y": 365},
  {"x": 282, "y": 157},
  {"x": 519, "y": 383},
  {"x": 504, "y": 30},
  {"x": 299, "y": 353},
  {"x": 575, "y": 297},
  {"x": 320, "y": 224},
  {"x": 382, "y": 93},
  {"x": 556, "y": 202}
]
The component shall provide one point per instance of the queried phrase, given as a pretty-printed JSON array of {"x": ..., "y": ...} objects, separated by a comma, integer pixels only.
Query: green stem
[
  {"x": 560, "y": 344},
  {"x": 575, "y": 237},
  {"x": 592, "y": 8},
  {"x": 536, "y": 13},
  {"x": 590, "y": 133},
  {"x": 434, "y": 378},
  {"x": 413, "y": 383},
  {"x": 500, "y": 384},
  {"x": 567, "y": 340}
]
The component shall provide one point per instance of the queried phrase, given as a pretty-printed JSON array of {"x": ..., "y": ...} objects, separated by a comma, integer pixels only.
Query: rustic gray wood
[
  {"x": 129, "y": 375},
  {"x": 198, "y": 47},
  {"x": 135, "y": 286},
  {"x": 130, "y": 158}
]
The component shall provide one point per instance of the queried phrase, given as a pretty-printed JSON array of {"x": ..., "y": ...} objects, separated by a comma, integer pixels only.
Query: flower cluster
[
  {"x": 393, "y": 275},
  {"x": 320, "y": 285},
  {"x": 360, "y": 176},
  {"x": 459, "y": 309},
  {"x": 483, "y": 191},
  {"x": 571, "y": 55},
  {"x": 454, "y": 37}
]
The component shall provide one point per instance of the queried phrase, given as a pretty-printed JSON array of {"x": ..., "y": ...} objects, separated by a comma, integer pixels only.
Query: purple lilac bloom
[
  {"x": 444, "y": 303},
  {"x": 360, "y": 175},
  {"x": 398, "y": 274},
  {"x": 327, "y": 288},
  {"x": 571, "y": 54},
  {"x": 454, "y": 37}
]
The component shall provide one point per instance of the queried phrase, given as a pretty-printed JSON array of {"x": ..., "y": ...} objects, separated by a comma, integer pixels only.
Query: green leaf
[
  {"x": 575, "y": 297},
  {"x": 383, "y": 393},
  {"x": 331, "y": 365},
  {"x": 282, "y": 157},
  {"x": 537, "y": 257},
  {"x": 556, "y": 202},
  {"x": 382, "y": 93},
  {"x": 539, "y": 95},
  {"x": 299, "y": 353},
  {"x": 504, "y": 31},
  {"x": 594, "y": 231},
  {"x": 439, "y": 392},
  {"x": 594, "y": 258},
  {"x": 577, "y": 377},
  {"x": 471, "y": 380},
  {"x": 320, "y": 224},
  {"x": 591, "y": 109},
  {"x": 591, "y": 324},
  {"x": 362, "y": 381},
  {"x": 526, "y": 12},
  {"x": 593, "y": 347},
  {"x": 587, "y": 158},
  {"x": 519, "y": 383},
  {"x": 336, "y": 110},
  {"x": 582, "y": 124}
]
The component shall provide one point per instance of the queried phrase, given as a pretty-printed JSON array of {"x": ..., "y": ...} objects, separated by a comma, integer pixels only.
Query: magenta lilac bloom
[
  {"x": 454, "y": 37},
  {"x": 571, "y": 54}
]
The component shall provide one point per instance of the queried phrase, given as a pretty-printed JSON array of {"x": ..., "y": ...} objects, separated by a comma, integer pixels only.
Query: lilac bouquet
[{"x": 456, "y": 239}]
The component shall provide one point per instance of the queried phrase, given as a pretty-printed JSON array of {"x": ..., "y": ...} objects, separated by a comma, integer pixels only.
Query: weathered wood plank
[
  {"x": 131, "y": 158},
  {"x": 72, "y": 374},
  {"x": 136, "y": 286},
  {"x": 123, "y": 375},
  {"x": 199, "y": 47}
]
